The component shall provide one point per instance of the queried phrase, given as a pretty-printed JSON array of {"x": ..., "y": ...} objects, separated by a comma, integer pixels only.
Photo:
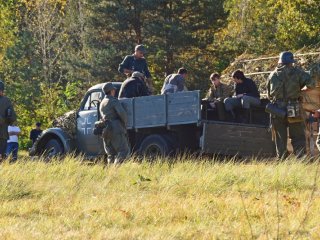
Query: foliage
[
  {"x": 188, "y": 199},
  {"x": 52, "y": 51}
]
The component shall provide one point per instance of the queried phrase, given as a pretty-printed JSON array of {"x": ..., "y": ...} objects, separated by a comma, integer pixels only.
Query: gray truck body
[{"x": 161, "y": 123}]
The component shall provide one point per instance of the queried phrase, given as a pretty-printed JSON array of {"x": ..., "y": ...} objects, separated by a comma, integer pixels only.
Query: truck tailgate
[{"x": 237, "y": 139}]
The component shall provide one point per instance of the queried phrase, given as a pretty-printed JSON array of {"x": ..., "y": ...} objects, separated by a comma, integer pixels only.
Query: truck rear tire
[
  {"x": 154, "y": 145},
  {"x": 53, "y": 148}
]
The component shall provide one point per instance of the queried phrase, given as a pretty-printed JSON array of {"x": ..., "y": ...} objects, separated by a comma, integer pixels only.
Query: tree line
[{"x": 51, "y": 51}]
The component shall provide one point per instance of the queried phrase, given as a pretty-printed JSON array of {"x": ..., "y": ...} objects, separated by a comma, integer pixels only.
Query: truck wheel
[
  {"x": 53, "y": 148},
  {"x": 154, "y": 145}
]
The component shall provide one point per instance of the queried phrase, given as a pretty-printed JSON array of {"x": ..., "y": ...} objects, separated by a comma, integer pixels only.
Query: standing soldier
[
  {"x": 285, "y": 84},
  {"x": 137, "y": 63},
  {"x": 115, "y": 135},
  {"x": 7, "y": 117}
]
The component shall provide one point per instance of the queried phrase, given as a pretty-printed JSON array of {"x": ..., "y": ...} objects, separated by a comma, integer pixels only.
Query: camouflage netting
[
  {"x": 258, "y": 67},
  {"x": 67, "y": 122}
]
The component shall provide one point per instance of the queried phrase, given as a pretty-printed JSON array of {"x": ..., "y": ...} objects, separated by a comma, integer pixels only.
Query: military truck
[{"x": 161, "y": 125}]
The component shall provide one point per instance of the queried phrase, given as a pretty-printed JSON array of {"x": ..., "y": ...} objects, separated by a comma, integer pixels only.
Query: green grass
[{"x": 74, "y": 199}]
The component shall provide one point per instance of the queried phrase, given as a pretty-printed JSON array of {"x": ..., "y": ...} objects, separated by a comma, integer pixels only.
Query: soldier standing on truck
[
  {"x": 137, "y": 62},
  {"x": 216, "y": 95},
  {"x": 7, "y": 117},
  {"x": 175, "y": 82},
  {"x": 115, "y": 138},
  {"x": 285, "y": 84},
  {"x": 134, "y": 86}
]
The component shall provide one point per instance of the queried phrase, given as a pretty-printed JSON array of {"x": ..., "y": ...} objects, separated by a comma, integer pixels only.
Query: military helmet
[
  {"x": 140, "y": 48},
  {"x": 137, "y": 74},
  {"x": 286, "y": 57},
  {"x": 1, "y": 86},
  {"x": 107, "y": 87}
]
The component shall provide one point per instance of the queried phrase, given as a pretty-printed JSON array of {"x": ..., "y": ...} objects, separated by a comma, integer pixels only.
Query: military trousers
[
  {"x": 117, "y": 148},
  {"x": 219, "y": 106},
  {"x": 282, "y": 128}
]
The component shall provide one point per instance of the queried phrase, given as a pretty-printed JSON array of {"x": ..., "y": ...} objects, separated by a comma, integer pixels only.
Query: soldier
[
  {"x": 246, "y": 95},
  {"x": 216, "y": 95},
  {"x": 137, "y": 62},
  {"x": 115, "y": 135},
  {"x": 7, "y": 117},
  {"x": 175, "y": 82},
  {"x": 134, "y": 86},
  {"x": 285, "y": 84}
]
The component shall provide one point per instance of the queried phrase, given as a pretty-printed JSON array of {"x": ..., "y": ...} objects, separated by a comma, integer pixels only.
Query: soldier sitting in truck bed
[
  {"x": 216, "y": 95},
  {"x": 246, "y": 95}
]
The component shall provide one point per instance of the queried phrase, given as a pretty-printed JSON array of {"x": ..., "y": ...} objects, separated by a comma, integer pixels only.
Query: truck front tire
[
  {"x": 155, "y": 145},
  {"x": 53, "y": 148}
]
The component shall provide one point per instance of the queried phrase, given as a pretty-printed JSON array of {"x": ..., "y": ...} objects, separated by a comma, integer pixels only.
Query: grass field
[{"x": 74, "y": 199}]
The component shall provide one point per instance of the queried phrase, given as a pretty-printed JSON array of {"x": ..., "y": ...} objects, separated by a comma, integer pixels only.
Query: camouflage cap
[
  {"x": 137, "y": 74},
  {"x": 107, "y": 87},
  {"x": 1, "y": 86},
  {"x": 140, "y": 48}
]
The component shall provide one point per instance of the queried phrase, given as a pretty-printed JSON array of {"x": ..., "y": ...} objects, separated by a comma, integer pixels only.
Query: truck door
[{"x": 87, "y": 142}]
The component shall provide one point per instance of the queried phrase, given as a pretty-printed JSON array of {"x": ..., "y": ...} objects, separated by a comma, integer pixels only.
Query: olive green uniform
[
  {"x": 217, "y": 96},
  {"x": 6, "y": 118},
  {"x": 284, "y": 86},
  {"x": 116, "y": 145}
]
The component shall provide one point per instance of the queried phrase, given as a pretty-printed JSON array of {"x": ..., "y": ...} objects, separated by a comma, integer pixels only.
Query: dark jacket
[
  {"x": 247, "y": 87},
  {"x": 133, "y": 87},
  {"x": 134, "y": 64},
  {"x": 5, "y": 120}
]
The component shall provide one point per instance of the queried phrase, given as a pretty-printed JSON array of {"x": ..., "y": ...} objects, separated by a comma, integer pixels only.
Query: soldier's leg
[
  {"x": 280, "y": 128},
  {"x": 221, "y": 110},
  {"x": 122, "y": 147},
  {"x": 248, "y": 101},
  {"x": 232, "y": 103},
  {"x": 298, "y": 139},
  {"x": 3, "y": 148},
  {"x": 109, "y": 150}
]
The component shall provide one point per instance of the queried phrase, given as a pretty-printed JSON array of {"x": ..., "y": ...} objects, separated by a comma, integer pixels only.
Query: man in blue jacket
[
  {"x": 137, "y": 63},
  {"x": 246, "y": 95}
]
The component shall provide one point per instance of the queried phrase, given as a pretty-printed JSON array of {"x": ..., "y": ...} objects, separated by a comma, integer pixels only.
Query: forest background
[{"x": 52, "y": 51}]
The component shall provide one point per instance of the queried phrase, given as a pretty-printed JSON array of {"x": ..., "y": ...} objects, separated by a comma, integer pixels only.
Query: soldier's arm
[
  {"x": 13, "y": 116},
  {"x": 146, "y": 70},
  {"x": 306, "y": 80},
  {"x": 124, "y": 67},
  {"x": 122, "y": 113},
  {"x": 180, "y": 84}
]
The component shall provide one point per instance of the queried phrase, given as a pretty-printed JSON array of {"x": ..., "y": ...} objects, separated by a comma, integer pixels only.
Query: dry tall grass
[{"x": 72, "y": 199}]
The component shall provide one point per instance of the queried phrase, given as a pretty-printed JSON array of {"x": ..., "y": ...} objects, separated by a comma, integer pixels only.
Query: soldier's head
[
  {"x": 138, "y": 75},
  {"x": 38, "y": 125},
  {"x": 183, "y": 72},
  {"x": 238, "y": 76},
  {"x": 215, "y": 79},
  {"x": 139, "y": 51},
  {"x": 109, "y": 89},
  {"x": 286, "y": 58}
]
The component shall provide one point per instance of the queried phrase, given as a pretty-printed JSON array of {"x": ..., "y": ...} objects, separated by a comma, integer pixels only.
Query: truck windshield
[{"x": 91, "y": 100}]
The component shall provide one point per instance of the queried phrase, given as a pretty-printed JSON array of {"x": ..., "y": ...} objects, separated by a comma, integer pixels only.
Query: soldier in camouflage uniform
[
  {"x": 116, "y": 143},
  {"x": 285, "y": 84},
  {"x": 7, "y": 117},
  {"x": 217, "y": 94}
]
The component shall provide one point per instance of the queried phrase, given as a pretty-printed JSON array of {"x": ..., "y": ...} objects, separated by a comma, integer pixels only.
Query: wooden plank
[
  {"x": 149, "y": 111},
  {"x": 183, "y": 107},
  {"x": 243, "y": 140}
]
